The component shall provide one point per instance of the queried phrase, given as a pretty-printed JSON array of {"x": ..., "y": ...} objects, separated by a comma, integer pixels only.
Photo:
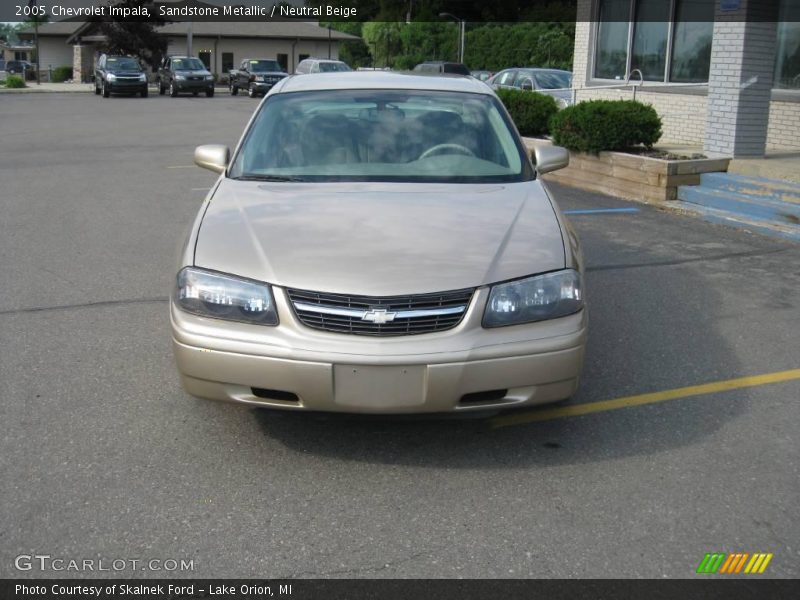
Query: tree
[{"x": 134, "y": 37}]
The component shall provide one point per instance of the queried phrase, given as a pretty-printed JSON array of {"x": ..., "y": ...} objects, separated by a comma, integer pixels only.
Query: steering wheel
[{"x": 459, "y": 149}]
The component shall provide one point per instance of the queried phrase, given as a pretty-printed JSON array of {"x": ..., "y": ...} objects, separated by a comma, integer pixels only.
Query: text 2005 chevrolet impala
[{"x": 380, "y": 242}]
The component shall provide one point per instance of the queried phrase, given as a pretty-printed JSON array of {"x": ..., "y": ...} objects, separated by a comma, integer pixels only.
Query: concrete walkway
[{"x": 33, "y": 88}]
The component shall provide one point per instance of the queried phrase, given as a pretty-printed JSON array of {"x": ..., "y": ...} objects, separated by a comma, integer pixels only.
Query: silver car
[
  {"x": 551, "y": 82},
  {"x": 380, "y": 243}
]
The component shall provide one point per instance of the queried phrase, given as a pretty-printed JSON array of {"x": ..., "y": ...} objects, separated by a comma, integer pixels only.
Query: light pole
[
  {"x": 32, "y": 5},
  {"x": 462, "y": 26}
]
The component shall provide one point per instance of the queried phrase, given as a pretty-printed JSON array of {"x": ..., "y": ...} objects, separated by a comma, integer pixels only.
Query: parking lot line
[{"x": 576, "y": 410}]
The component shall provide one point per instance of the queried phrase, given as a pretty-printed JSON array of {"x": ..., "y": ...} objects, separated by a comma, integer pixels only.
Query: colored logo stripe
[
  {"x": 722, "y": 563},
  {"x": 758, "y": 563},
  {"x": 711, "y": 562}
]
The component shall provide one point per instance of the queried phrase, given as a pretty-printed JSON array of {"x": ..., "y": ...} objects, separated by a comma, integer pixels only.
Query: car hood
[
  {"x": 192, "y": 72},
  {"x": 379, "y": 239},
  {"x": 281, "y": 73}
]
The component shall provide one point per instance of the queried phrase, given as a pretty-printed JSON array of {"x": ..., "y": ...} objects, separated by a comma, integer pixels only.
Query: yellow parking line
[{"x": 651, "y": 398}]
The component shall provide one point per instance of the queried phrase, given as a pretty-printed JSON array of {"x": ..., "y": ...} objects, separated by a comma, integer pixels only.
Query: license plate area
[{"x": 379, "y": 387}]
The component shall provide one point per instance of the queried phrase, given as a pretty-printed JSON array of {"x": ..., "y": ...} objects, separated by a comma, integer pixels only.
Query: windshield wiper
[{"x": 253, "y": 177}]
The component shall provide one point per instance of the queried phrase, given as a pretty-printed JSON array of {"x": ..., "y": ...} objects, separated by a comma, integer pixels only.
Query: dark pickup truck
[{"x": 256, "y": 75}]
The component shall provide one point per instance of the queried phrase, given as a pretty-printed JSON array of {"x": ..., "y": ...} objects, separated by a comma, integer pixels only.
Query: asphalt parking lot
[{"x": 103, "y": 455}]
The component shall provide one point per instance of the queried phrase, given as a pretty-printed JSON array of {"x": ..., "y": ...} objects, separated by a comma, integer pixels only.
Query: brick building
[{"x": 722, "y": 74}]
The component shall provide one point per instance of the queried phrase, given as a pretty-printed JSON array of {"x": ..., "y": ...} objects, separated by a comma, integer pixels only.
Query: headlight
[
  {"x": 209, "y": 77},
  {"x": 180, "y": 77},
  {"x": 534, "y": 299},
  {"x": 142, "y": 77},
  {"x": 226, "y": 297},
  {"x": 562, "y": 103},
  {"x": 111, "y": 77}
]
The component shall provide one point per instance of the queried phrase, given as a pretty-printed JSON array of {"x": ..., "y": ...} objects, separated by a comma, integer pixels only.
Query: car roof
[{"x": 370, "y": 80}]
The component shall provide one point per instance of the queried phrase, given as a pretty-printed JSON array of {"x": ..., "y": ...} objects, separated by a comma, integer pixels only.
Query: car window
[
  {"x": 264, "y": 65},
  {"x": 124, "y": 63},
  {"x": 328, "y": 67},
  {"x": 506, "y": 77},
  {"x": 382, "y": 135},
  {"x": 456, "y": 68},
  {"x": 187, "y": 64},
  {"x": 551, "y": 80}
]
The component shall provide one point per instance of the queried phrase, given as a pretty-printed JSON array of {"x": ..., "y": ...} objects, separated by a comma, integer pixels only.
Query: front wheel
[
  {"x": 234, "y": 90},
  {"x": 252, "y": 92},
  {"x": 106, "y": 91},
  {"x": 173, "y": 91},
  {"x": 144, "y": 93},
  {"x": 209, "y": 93}
]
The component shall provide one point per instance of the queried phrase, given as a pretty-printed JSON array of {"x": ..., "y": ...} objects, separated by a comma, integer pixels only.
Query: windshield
[
  {"x": 264, "y": 65},
  {"x": 122, "y": 64},
  {"x": 382, "y": 135},
  {"x": 327, "y": 67},
  {"x": 187, "y": 64},
  {"x": 551, "y": 80}
]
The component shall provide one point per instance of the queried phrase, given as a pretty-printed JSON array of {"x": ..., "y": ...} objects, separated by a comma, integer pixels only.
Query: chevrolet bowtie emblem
[{"x": 378, "y": 316}]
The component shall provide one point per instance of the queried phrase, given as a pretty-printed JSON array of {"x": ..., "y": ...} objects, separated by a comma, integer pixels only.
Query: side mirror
[
  {"x": 550, "y": 158},
  {"x": 527, "y": 85},
  {"x": 213, "y": 157}
]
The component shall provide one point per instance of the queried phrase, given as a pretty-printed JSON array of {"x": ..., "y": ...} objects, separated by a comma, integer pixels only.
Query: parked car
[
  {"x": 442, "y": 67},
  {"x": 185, "y": 74},
  {"x": 545, "y": 81},
  {"x": 320, "y": 65},
  {"x": 18, "y": 67},
  {"x": 481, "y": 75},
  {"x": 380, "y": 243},
  {"x": 119, "y": 75},
  {"x": 256, "y": 75}
]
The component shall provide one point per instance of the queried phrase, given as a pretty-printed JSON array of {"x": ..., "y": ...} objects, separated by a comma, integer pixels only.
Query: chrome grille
[{"x": 380, "y": 315}]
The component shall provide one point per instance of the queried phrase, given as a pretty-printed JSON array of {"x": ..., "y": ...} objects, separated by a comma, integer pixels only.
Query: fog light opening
[
  {"x": 483, "y": 397},
  {"x": 275, "y": 395}
]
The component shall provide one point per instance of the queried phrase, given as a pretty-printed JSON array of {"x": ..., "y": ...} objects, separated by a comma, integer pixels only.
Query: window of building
[
  {"x": 283, "y": 61},
  {"x": 227, "y": 62},
  {"x": 667, "y": 40},
  {"x": 787, "y": 51}
]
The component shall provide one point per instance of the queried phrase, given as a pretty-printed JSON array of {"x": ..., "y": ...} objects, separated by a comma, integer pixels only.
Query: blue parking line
[{"x": 594, "y": 211}]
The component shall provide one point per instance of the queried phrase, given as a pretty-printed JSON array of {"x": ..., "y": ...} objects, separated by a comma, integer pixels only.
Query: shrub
[
  {"x": 530, "y": 111},
  {"x": 15, "y": 81},
  {"x": 61, "y": 74},
  {"x": 599, "y": 125}
]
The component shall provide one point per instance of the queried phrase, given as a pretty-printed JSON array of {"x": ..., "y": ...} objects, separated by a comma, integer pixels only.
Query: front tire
[
  {"x": 106, "y": 91},
  {"x": 209, "y": 93},
  {"x": 173, "y": 91},
  {"x": 234, "y": 90},
  {"x": 252, "y": 92},
  {"x": 144, "y": 93}
]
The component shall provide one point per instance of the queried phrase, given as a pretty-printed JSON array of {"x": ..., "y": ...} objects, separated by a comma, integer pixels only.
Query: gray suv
[
  {"x": 119, "y": 75},
  {"x": 185, "y": 74}
]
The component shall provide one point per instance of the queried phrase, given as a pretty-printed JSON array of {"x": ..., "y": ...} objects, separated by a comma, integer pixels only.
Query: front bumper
[
  {"x": 293, "y": 367},
  {"x": 126, "y": 87},
  {"x": 194, "y": 86}
]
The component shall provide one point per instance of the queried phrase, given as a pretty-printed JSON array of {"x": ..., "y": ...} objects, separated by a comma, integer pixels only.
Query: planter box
[{"x": 630, "y": 176}]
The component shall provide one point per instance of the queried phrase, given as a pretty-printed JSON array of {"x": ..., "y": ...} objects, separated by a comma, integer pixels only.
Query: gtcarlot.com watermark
[{"x": 46, "y": 562}]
